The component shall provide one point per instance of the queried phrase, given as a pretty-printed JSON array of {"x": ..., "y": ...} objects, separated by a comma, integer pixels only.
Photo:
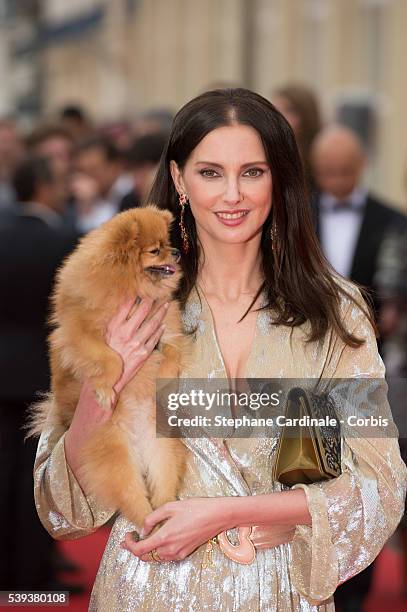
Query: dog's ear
[
  {"x": 126, "y": 238},
  {"x": 167, "y": 215},
  {"x": 133, "y": 231}
]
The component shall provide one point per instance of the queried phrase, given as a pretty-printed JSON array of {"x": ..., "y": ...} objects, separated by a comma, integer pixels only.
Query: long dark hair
[
  {"x": 304, "y": 102},
  {"x": 299, "y": 282}
]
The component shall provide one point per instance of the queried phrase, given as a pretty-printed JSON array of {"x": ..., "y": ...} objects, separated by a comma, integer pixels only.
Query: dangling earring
[
  {"x": 183, "y": 200},
  {"x": 273, "y": 236}
]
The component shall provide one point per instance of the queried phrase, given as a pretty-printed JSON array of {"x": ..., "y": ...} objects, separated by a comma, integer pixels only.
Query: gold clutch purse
[{"x": 310, "y": 452}]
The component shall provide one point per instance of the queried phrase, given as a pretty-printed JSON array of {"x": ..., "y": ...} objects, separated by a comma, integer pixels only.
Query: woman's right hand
[{"x": 134, "y": 340}]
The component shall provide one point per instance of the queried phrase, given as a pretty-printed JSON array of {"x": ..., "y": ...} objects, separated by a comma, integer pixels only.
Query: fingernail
[{"x": 166, "y": 305}]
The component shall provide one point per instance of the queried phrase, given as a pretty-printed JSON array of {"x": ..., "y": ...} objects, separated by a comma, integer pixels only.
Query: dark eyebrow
[{"x": 255, "y": 163}]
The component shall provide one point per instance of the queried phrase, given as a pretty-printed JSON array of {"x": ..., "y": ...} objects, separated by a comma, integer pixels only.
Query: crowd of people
[
  {"x": 67, "y": 177},
  {"x": 56, "y": 183}
]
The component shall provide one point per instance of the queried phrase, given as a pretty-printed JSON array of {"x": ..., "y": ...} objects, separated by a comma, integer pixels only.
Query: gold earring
[
  {"x": 273, "y": 236},
  {"x": 183, "y": 200}
]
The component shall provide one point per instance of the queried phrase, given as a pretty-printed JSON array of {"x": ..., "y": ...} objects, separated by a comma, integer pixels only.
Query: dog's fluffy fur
[{"x": 124, "y": 464}]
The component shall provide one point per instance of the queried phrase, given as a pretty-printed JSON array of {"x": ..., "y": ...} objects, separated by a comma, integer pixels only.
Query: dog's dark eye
[{"x": 155, "y": 252}]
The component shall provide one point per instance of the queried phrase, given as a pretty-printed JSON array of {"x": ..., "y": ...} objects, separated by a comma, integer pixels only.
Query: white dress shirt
[
  {"x": 105, "y": 209},
  {"x": 340, "y": 227}
]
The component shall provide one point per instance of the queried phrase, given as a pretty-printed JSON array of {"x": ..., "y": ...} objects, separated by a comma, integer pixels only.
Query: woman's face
[{"x": 228, "y": 183}]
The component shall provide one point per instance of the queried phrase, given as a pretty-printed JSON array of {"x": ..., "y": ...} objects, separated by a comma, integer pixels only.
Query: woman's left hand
[{"x": 188, "y": 524}]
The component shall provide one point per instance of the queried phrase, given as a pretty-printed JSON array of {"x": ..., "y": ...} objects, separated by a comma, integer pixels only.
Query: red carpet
[
  {"x": 87, "y": 553},
  {"x": 386, "y": 592},
  {"x": 388, "y": 583}
]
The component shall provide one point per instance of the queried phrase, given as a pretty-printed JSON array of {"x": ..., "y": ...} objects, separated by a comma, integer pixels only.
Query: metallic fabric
[{"x": 352, "y": 515}]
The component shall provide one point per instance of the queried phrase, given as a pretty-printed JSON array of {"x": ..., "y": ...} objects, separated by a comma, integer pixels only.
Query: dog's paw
[
  {"x": 105, "y": 397},
  {"x": 158, "y": 499}
]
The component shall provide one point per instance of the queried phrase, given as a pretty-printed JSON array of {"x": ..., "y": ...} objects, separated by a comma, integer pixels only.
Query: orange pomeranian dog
[{"x": 124, "y": 464}]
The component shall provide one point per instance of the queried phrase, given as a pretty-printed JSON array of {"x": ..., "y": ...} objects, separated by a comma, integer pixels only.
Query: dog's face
[
  {"x": 141, "y": 249},
  {"x": 160, "y": 260}
]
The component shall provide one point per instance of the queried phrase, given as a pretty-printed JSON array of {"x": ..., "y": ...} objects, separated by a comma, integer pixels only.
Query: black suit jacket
[
  {"x": 378, "y": 217},
  {"x": 130, "y": 200},
  {"x": 30, "y": 252}
]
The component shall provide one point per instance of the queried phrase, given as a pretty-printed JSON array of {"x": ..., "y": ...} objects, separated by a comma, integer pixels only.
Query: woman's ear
[{"x": 177, "y": 177}]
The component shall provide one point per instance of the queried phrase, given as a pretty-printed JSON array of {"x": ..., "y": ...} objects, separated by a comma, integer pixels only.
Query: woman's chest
[
  {"x": 235, "y": 339},
  {"x": 223, "y": 347}
]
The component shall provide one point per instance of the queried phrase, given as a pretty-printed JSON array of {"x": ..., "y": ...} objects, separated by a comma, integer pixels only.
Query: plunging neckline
[
  {"x": 226, "y": 442},
  {"x": 246, "y": 368}
]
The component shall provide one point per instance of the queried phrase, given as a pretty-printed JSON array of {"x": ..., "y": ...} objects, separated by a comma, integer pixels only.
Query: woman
[
  {"x": 231, "y": 174},
  {"x": 300, "y": 106}
]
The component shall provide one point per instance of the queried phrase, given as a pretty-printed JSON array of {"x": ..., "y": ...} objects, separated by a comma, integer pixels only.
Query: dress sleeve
[
  {"x": 63, "y": 508},
  {"x": 355, "y": 514}
]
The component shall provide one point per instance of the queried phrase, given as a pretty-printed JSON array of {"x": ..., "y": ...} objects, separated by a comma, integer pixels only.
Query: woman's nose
[{"x": 232, "y": 194}]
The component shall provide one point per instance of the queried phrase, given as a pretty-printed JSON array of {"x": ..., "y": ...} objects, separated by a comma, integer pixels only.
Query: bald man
[{"x": 351, "y": 225}]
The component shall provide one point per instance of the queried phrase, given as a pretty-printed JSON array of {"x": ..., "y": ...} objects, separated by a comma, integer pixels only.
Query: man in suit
[
  {"x": 33, "y": 242},
  {"x": 351, "y": 224},
  {"x": 142, "y": 159},
  {"x": 99, "y": 182}
]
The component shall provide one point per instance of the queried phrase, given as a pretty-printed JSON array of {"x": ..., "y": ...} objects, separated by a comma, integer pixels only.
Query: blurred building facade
[{"x": 119, "y": 57}]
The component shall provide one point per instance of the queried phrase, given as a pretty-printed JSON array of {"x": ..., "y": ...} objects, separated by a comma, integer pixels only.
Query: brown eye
[
  {"x": 254, "y": 172},
  {"x": 155, "y": 252}
]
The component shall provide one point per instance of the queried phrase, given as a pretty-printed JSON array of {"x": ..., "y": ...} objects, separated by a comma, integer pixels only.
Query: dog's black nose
[{"x": 176, "y": 255}]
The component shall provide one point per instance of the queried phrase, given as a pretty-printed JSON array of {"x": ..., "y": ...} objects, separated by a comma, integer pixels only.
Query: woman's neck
[{"x": 231, "y": 270}]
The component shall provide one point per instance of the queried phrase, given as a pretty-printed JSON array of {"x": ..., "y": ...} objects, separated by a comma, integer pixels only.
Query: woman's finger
[
  {"x": 150, "y": 327},
  {"x": 120, "y": 316},
  {"x": 148, "y": 558},
  {"x": 127, "y": 545},
  {"x": 142, "y": 547},
  {"x": 138, "y": 316},
  {"x": 156, "y": 516},
  {"x": 136, "y": 358},
  {"x": 154, "y": 339}
]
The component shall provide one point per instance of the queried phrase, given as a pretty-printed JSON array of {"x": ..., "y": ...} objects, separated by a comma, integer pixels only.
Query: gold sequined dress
[{"x": 352, "y": 516}]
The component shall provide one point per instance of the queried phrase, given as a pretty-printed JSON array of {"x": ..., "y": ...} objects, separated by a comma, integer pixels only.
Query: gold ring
[{"x": 155, "y": 555}]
